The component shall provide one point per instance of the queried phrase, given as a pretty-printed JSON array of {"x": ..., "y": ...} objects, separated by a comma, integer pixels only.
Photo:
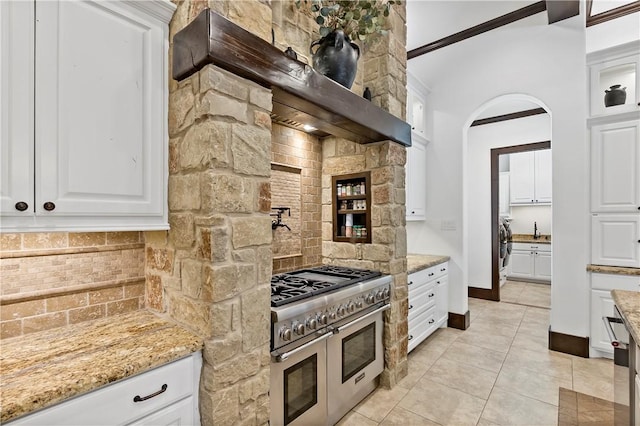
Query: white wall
[
  {"x": 524, "y": 216},
  {"x": 480, "y": 141},
  {"x": 612, "y": 33},
  {"x": 547, "y": 62}
]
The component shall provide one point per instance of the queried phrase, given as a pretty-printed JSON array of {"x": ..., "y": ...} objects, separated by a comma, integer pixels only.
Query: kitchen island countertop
[
  {"x": 418, "y": 262},
  {"x": 40, "y": 369},
  {"x": 628, "y": 303}
]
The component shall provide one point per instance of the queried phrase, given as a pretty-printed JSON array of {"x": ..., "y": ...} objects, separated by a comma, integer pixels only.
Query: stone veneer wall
[
  {"x": 302, "y": 152},
  {"x": 54, "y": 279}
]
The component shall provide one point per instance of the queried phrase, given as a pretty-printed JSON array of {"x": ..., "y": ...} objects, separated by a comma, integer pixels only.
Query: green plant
[{"x": 357, "y": 18}]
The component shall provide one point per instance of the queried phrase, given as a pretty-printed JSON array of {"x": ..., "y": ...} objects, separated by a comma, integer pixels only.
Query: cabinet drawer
[
  {"x": 421, "y": 327},
  {"x": 114, "y": 404},
  {"x": 615, "y": 282},
  {"x": 419, "y": 278},
  {"x": 421, "y": 300},
  {"x": 532, "y": 247}
]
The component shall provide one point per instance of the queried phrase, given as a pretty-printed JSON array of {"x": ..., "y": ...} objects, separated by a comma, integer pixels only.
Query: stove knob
[
  {"x": 370, "y": 299},
  {"x": 386, "y": 293},
  {"x": 312, "y": 324},
  {"x": 299, "y": 329},
  {"x": 351, "y": 307},
  {"x": 341, "y": 311},
  {"x": 323, "y": 319},
  {"x": 359, "y": 304},
  {"x": 285, "y": 333},
  {"x": 379, "y": 295},
  {"x": 332, "y": 315}
]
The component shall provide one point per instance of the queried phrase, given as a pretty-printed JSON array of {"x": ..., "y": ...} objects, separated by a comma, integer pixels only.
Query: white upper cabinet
[
  {"x": 618, "y": 66},
  {"x": 96, "y": 127},
  {"x": 615, "y": 167},
  {"x": 530, "y": 177},
  {"x": 416, "y": 180},
  {"x": 416, "y": 168}
]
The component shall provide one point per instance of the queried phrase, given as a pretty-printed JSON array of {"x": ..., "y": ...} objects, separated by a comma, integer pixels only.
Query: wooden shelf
[
  {"x": 361, "y": 217},
  {"x": 352, "y": 197},
  {"x": 352, "y": 212}
]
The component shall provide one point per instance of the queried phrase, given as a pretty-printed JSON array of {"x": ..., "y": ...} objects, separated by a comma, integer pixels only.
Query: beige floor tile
[
  {"x": 594, "y": 385},
  {"x": 600, "y": 367},
  {"x": 442, "y": 404},
  {"x": 535, "y": 297},
  {"x": 480, "y": 357},
  {"x": 355, "y": 419},
  {"x": 463, "y": 377},
  {"x": 547, "y": 362},
  {"x": 531, "y": 342},
  {"x": 506, "y": 407},
  {"x": 401, "y": 417},
  {"x": 380, "y": 403},
  {"x": 532, "y": 384},
  {"x": 487, "y": 340},
  {"x": 490, "y": 325},
  {"x": 537, "y": 315},
  {"x": 415, "y": 372},
  {"x": 533, "y": 328}
]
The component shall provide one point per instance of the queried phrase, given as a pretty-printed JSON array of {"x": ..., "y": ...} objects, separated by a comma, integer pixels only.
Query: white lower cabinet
[
  {"x": 530, "y": 261},
  {"x": 167, "y": 395},
  {"x": 428, "y": 302},
  {"x": 602, "y": 306}
]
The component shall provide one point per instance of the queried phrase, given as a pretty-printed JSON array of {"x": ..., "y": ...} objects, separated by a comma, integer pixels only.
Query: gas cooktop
[{"x": 297, "y": 285}]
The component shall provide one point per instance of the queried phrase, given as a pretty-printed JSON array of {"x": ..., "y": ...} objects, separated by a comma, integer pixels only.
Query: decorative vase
[
  {"x": 336, "y": 57},
  {"x": 615, "y": 95}
]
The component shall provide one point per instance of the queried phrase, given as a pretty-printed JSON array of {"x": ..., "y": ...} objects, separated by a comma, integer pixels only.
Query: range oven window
[
  {"x": 358, "y": 351},
  {"x": 300, "y": 388}
]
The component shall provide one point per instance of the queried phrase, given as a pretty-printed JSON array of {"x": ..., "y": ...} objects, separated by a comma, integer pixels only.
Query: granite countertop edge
[
  {"x": 615, "y": 270},
  {"x": 528, "y": 238},
  {"x": 628, "y": 303},
  {"x": 41, "y": 369},
  {"x": 418, "y": 262}
]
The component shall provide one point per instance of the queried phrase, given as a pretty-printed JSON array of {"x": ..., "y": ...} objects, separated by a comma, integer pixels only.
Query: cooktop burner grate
[{"x": 297, "y": 285}]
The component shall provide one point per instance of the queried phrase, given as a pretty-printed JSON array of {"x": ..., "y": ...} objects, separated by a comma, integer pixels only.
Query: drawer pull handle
[
  {"x": 410, "y": 282},
  {"x": 431, "y": 295},
  {"x": 410, "y": 306},
  {"x": 431, "y": 274},
  {"x": 139, "y": 398},
  {"x": 410, "y": 337},
  {"x": 443, "y": 269},
  {"x": 431, "y": 321}
]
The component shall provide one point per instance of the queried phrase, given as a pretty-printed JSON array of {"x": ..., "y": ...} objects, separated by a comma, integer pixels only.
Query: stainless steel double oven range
[{"x": 326, "y": 342}]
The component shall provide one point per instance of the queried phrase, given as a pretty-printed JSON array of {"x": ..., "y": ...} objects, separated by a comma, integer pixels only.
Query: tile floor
[
  {"x": 523, "y": 293},
  {"x": 497, "y": 372}
]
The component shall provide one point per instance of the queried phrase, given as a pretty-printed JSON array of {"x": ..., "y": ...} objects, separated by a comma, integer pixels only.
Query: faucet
[
  {"x": 536, "y": 233},
  {"x": 275, "y": 223}
]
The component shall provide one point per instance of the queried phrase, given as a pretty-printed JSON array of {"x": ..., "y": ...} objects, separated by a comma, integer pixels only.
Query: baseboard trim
[
  {"x": 459, "y": 321},
  {"x": 483, "y": 293},
  {"x": 569, "y": 344}
]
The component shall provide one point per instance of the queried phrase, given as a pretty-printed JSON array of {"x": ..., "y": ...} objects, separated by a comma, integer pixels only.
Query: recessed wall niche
[{"x": 285, "y": 192}]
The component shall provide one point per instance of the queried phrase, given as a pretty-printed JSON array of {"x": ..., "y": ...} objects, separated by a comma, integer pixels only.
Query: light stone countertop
[
  {"x": 628, "y": 303},
  {"x": 528, "y": 238},
  {"x": 40, "y": 369},
  {"x": 418, "y": 262},
  {"x": 617, "y": 270}
]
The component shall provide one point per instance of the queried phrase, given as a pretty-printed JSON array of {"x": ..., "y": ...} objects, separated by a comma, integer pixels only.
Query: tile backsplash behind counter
[{"x": 50, "y": 280}]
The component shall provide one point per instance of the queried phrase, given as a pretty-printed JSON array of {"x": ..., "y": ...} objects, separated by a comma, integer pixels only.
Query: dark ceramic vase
[
  {"x": 615, "y": 95},
  {"x": 336, "y": 57}
]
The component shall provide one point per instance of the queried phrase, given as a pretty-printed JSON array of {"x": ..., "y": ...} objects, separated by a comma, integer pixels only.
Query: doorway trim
[{"x": 494, "y": 292}]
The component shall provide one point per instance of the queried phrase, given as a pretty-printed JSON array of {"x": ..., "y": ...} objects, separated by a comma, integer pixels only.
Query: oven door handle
[
  {"x": 615, "y": 342},
  {"x": 362, "y": 318},
  {"x": 283, "y": 356}
]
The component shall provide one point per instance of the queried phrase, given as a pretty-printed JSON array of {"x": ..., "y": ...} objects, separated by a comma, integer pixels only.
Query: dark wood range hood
[{"x": 301, "y": 96}]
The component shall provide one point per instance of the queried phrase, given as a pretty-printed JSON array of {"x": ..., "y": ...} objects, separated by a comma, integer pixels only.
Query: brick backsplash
[
  {"x": 296, "y": 182},
  {"x": 55, "y": 279}
]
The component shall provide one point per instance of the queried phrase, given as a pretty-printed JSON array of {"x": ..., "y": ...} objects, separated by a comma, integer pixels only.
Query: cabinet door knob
[
  {"x": 49, "y": 206},
  {"x": 21, "y": 206}
]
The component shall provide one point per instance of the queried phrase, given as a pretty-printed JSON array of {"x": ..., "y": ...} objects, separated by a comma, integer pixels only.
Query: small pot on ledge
[{"x": 615, "y": 95}]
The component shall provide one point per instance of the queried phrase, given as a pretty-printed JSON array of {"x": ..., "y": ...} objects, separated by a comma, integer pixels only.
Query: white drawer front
[
  {"x": 421, "y": 327},
  {"x": 421, "y": 299},
  {"x": 114, "y": 404},
  {"x": 615, "y": 282}
]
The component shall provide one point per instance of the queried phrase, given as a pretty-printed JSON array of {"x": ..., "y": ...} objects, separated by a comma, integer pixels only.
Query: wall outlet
[{"x": 448, "y": 225}]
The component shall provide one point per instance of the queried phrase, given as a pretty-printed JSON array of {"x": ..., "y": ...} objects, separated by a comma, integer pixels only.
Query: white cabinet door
[
  {"x": 615, "y": 167},
  {"x": 542, "y": 172},
  {"x": 98, "y": 142},
  {"x": 601, "y": 305},
  {"x": 615, "y": 240},
  {"x": 16, "y": 108},
  {"x": 442, "y": 301},
  {"x": 504, "y": 197},
  {"x": 521, "y": 262},
  {"x": 416, "y": 173},
  {"x": 521, "y": 168},
  {"x": 542, "y": 265}
]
